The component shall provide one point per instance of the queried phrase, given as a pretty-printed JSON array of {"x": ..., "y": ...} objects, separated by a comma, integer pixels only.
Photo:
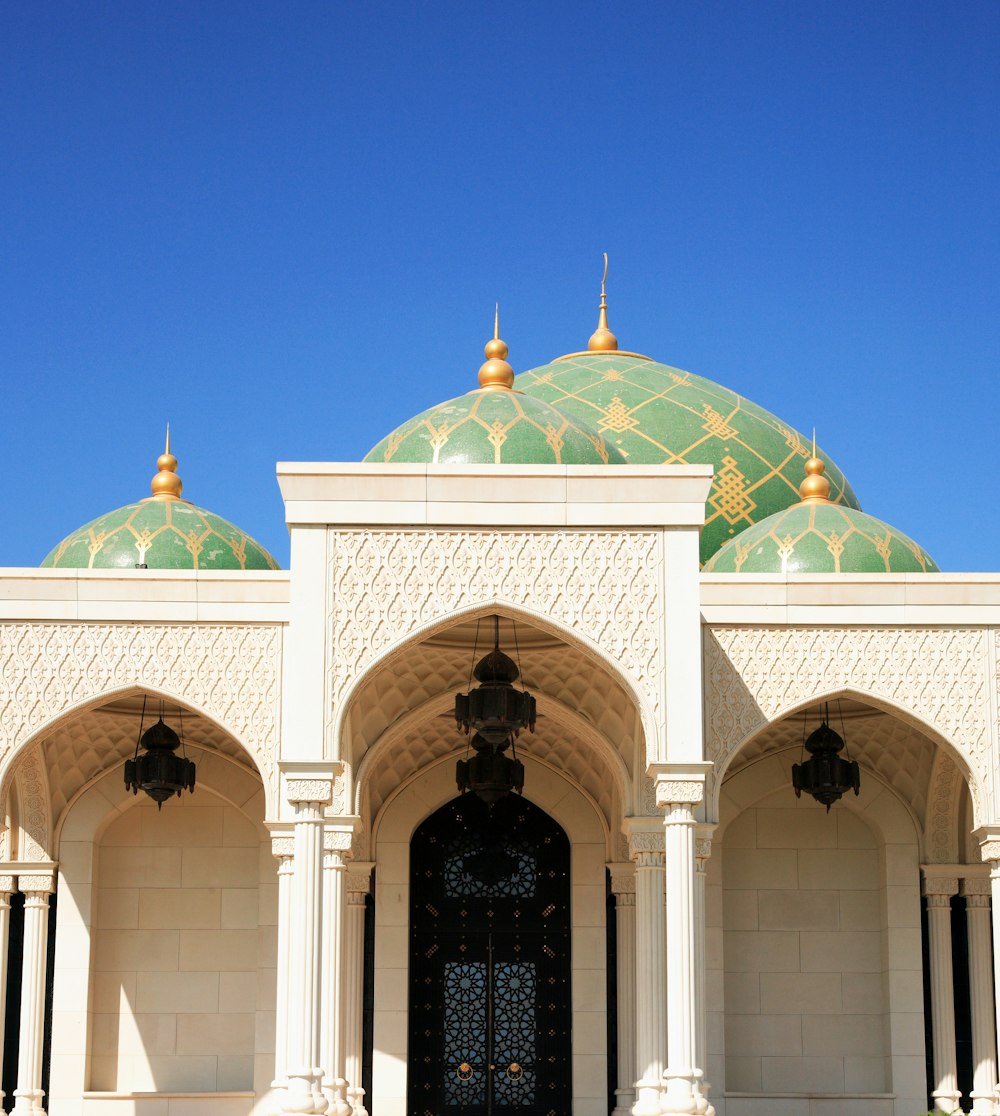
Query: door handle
[
  {"x": 515, "y": 1072},
  {"x": 464, "y": 1072}
]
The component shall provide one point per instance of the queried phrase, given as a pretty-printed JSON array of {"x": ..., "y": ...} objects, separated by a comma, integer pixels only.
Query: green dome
[
  {"x": 495, "y": 427},
  {"x": 656, "y": 414},
  {"x": 162, "y": 532},
  {"x": 818, "y": 537}
]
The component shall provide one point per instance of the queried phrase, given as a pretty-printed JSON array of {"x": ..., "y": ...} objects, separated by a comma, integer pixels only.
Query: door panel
[{"x": 489, "y": 963}]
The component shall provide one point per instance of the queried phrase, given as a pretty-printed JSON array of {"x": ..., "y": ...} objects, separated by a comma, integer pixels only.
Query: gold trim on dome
[{"x": 589, "y": 353}]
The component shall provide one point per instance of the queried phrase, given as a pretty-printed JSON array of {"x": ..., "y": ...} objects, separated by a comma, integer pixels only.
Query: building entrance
[{"x": 489, "y": 1005}]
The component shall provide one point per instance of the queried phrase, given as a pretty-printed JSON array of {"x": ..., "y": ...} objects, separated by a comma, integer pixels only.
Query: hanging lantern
[
  {"x": 826, "y": 775},
  {"x": 158, "y": 771},
  {"x": 495, "y": 713}
]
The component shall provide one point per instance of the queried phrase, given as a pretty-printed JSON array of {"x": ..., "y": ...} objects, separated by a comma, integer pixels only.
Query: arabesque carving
[
  {"x": 603, "y": 584},
  {"x": 753, "y": 675},
  {"x": 942, "y": 811},
  {"x": 229, "y": 671},
  {"x": 35, "y": 838}
]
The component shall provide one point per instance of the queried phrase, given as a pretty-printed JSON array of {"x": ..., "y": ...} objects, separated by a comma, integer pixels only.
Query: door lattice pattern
[{"x": 489, "y": 962}]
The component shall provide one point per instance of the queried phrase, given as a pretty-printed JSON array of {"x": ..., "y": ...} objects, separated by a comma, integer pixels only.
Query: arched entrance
[{"x": 490, "y": 1007}]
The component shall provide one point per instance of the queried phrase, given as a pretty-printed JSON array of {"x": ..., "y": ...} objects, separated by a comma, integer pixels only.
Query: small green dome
[
  {"x": 654, "y": 414},
  {"x": 495, "y": 426},
  {"x": 162, "y": 532},
  {"x": 815, "y": 537}
]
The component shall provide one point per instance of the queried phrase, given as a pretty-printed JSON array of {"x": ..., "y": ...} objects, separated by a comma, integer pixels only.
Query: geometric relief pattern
[
  {"x": 902, "y": 756},
  {"x": 604, "y": 585},
  {"x": 939, "y": 675},
  {"x": 435, "y": 672},
  {"x": 420, "y": 746},
  {"x": 229, "y": 671},
  {"x": 35, "y": 836},
  {"x": 942, "y": 812}
]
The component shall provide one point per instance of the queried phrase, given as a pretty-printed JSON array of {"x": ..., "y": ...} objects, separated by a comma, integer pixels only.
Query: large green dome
[
  {"x": 495, "y": 426},
  {"x": 815, "y": 536},
  {"x": 653, "y": 414},
  {"x": 162, "y": 532}
]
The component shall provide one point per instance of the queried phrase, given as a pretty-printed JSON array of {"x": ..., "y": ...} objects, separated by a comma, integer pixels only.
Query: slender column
[
  {"x": 976, "y": 890},
  {"x": 6, "y": 887},
  {"x": 702, "y": 852},
  {"x": 28, "y": 1094},
  {"x": 358, "y": 884},
  {"x": 305, "y": 1075},
  {"x": 646, "y": 850},
  {"x": 335, "y": 844},
  {"x": 623, "y": 889},
  {"x": 282, "y": 849},
  {"x": 678, "y": 798},
  {"x": 939, "y": 891}
]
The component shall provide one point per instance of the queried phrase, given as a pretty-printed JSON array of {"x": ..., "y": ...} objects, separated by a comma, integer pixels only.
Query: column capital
[
  {"x": 308, "y": 781},
  {"x": 942, "y": 887},
  {"x": 977, "y": 886},
  {"x": 622, "y": 877},
  {"x": 359, "y": 877},
  {"x": 645, "y": 835},
  {"x": 7, "y": 884},
  {"x": 36, "y": 883},
  {"x": 988, "y": 837},
  {"x": 282, "y": 847},
  {"x": 679, "y": 784}
]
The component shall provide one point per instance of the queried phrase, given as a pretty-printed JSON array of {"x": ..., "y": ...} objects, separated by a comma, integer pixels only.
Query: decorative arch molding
[
  {"x": 34, "y": 838},
  {"x": 937, "y": 679},
  {"x": 578, "y": 752},
  {"x": 941, "y": 833},
  {"x": 600, "y": 590},
  {"x": 228, "y": 673},
  {"x": 885, "y": 813}
]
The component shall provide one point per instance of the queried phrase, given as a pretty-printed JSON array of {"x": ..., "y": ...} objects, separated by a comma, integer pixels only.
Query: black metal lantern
[
  {"x": 495, "y": 713},
  {"x": 158, "y": 771},
  {"x": 826, "y": 775}
]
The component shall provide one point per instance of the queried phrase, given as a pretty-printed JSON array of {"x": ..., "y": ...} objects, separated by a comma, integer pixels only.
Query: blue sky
[{"x": 283, "y": 227}]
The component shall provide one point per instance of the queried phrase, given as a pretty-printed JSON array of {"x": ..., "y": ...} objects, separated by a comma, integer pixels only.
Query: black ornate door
[{"x": 489, "y": 962}]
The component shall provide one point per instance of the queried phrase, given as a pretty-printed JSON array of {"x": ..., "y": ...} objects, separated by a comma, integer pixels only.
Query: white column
[
  {"x": 358, "y": 884},
  {"x": 702, "y": 852},
  {"x": 335, "y": 844},
  {"x": 305, "y": 1075},
  {"x": 682, "y": 1076},
  {"x": 939, "y": 891},
  {"x": 6, "y": 887},
  {"x": 28, "y": 1094},
  {"x": 282, "y": 848},
  {"x": 646, "y": 850},
  {"x": 623, "y": 889},
  {"x": 976, "y": 890}
]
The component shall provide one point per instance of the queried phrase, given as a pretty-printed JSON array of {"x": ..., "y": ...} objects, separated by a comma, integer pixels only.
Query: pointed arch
[{"x": 508, "y": 610}]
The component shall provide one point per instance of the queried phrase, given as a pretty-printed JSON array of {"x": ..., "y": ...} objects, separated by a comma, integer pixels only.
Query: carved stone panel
[
  {"x": 938, "y": 675},
  {"x": 603, "y": 584},
  {"x": 232, "y": 672}
]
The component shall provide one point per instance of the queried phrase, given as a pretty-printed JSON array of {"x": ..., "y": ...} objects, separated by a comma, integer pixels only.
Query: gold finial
[
  {"x": 815, "y": 489},
  {"x": 496, "y": 374},
  {"x": 602, "y": 340},
  {"x": 166, "y": 485}
]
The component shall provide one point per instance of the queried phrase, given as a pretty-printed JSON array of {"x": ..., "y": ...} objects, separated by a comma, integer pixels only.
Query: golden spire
[
  {"x": 496, "y": 374},
  {"x": 602, "y": 340},
  {"x": 166, "y": 485},
  {"x": 815, "y": 489}
]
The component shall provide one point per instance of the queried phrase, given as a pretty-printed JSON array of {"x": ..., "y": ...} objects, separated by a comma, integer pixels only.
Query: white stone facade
[{"x": 212, "y": 956}]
